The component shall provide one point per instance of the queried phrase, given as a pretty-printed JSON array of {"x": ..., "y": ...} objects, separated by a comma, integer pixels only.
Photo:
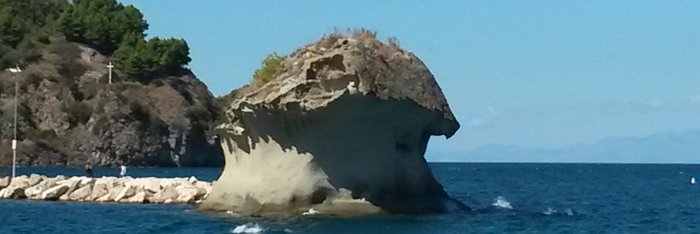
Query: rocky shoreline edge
[{"x": 105, "y": 189}]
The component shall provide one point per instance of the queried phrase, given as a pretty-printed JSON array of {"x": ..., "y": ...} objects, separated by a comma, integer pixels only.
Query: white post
[
  {"x": 15, "y": 71},
  {"x": 110, "y": 66},
  {"x": 14, "y": 157}
]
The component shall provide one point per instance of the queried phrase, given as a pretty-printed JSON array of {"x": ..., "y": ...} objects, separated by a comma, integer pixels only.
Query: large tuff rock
[
  {"x": 343, "y": 113},
  {"x": 69, "y": 115}
]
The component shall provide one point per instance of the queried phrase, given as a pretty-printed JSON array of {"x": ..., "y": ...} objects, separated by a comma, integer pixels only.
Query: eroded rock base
[{"x": 358, "y": 155}]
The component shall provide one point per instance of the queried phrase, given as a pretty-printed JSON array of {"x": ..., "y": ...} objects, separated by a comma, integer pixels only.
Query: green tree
[
  {"x": 133, "y": 60},
  {"x": 29, "y": 28},
  {"x": 101, "y": 24},
  {"x": 174, "y": 54},
  {"x": 12, "y": 28},
  {"x": 25, "y": 29},
  {"x": 36, "y": 12},
  {"x": 144, "y": 59}
]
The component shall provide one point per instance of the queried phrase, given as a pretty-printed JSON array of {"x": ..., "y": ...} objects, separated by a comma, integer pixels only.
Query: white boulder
[
  {"x": 4, "y": 182},
  {"x": 55, "y": 192},
  {"x": 139, "y": 197},
  {"x": 34, "y": 179},
  {"x": 81, "y": 194},
  {"x": 127, "y": 192},
  {"x": 98, "y": 190},
  {"x": 186, "y": 194}
]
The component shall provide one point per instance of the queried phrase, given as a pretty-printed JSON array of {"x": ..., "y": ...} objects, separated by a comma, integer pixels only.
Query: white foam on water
[
  {"x": 310, "y": 212},
  {"x": 501, "y": 202},
  {"x": 248, "y": 228},
  {"x": 549, "y": 211},
  {"x": 569, "y": 212}
]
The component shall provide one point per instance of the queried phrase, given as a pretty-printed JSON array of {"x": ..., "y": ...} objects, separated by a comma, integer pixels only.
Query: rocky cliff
[
  {"x": 341, "y": 128},
  {"x": 70, "y": 115}
]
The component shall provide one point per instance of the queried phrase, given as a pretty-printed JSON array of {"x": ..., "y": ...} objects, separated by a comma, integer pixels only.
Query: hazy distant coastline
[{"x": 666, "y": 147}]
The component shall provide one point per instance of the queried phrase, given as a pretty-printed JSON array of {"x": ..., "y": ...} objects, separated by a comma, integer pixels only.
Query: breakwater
[{"x": 105, "y": 189}]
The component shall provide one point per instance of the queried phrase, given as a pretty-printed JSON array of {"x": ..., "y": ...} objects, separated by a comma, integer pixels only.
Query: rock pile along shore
[{"x": 105, "y": 189}]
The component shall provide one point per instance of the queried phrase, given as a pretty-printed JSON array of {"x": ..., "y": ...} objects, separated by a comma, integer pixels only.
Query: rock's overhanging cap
[{"x": 319, "y": 73}]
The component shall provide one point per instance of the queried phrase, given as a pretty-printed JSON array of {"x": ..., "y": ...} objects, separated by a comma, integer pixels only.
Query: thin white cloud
[
  {"x": 483, "y": 117},
  {"x": 476, "y": 122},
  {"x": 655, "y": 102},
  {"x": 695, "y": 99},
  {"x": 663, "y": 102}
]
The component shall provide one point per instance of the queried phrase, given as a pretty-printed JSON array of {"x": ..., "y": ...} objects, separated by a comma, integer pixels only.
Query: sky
[{"x": 524, "y": 73}]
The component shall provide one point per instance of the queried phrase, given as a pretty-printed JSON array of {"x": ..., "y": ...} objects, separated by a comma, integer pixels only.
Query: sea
[{"x": 505, "y": 198}]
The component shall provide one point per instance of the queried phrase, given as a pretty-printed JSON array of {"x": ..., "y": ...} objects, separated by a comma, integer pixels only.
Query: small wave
[
  {"x": 551, "y": 211},
  {"x": 310, "y": 212},
  {"x": 501, "y": 202},
  {"x": 569, "y": 212},
  {"x": 248, "y": 228}
]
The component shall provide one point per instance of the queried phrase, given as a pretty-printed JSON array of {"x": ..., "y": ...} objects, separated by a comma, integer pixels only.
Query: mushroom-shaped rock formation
[{"x": 341, "y": 129}]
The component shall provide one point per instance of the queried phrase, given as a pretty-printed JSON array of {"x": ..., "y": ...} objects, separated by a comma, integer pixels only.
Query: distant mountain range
[{"x": 668, "y": 147}]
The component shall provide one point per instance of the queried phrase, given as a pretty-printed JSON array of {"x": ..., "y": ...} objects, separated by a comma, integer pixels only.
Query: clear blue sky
[{"x": 528, "y": 73}]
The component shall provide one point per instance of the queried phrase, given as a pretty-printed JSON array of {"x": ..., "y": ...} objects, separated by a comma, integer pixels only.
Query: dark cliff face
[
  {"x": 343, "y": 114},
  {"x": 69, "y": 120}
]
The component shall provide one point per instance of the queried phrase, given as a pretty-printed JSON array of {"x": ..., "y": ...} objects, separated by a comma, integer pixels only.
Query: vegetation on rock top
[{"x": 271, "y": 66}]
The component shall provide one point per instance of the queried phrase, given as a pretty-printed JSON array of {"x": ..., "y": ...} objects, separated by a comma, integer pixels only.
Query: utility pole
[
  {"x": 16, "y": 72},
  {"x": 110, "y": 66}
]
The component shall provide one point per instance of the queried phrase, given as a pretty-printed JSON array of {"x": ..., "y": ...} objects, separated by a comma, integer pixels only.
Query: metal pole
[
  {"x": 14, "y": 141},
  {"x": 110, "y": 66}
]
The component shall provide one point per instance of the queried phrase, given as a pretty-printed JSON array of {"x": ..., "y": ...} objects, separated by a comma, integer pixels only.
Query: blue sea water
[{"x": 507, "y": 198}]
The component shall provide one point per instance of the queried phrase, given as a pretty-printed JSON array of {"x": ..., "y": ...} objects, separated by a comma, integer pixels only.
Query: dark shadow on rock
[{"x": 373, "y": 147}]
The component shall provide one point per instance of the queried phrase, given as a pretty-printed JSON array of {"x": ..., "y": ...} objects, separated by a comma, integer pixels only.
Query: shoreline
[{"x": 176, "y": 190}]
